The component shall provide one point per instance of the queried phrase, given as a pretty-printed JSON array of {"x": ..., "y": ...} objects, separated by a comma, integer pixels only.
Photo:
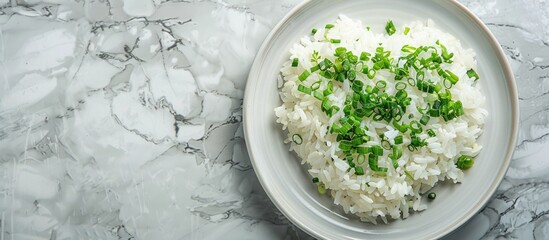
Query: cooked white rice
[{"x": 370, "y": 196}]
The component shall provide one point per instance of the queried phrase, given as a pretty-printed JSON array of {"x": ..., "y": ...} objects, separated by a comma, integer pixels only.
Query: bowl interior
[{"x": 286, "y": 180}]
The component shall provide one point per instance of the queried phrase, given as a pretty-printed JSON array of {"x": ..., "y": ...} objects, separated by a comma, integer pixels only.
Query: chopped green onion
[
  {"x": 357, "y": 141},
  {"x": 326, "y": 105},
  {"x": 314, "y": 31},
  {"x": 415, "y": 127},
  {"x": 417, "y": 142},
  {"x": 453, "y": 78},
  {"x": 431, "y": 133},
  {"x": 432, "y": 195},
  {"x": 376, "y": 150},
  {"x": 326, "y": 74},
  {"x": 424, "y": 120},
  {"x": 400, "y": 86},
  {"x": 386, "y": 144},
  {"x": 399, "y": 139},
  {"x": 350, "y": 161},
  {"x": 296, "y": 138},
  {"x": 390, "y": 28},
  {"x": 340, "y": 51},
  {"x": 318, "y": 95},
  {"x": 371, "y": 74},
  {"x": 328, "y": 26},
  {"x": 295, "y": 62},
  {"x": 472, "y": 74},
  {"x": 401, "y": 128},
  {"x": 304, "y": 75},
  {"x": 408, "y": 48},
  {"x": 434, "y": 112},
  {"x": 465, "y": 162},
  {"x": 351, "y": 75},
  {"x": 304, "y": 89},
  {"x": 315, "y": 85},
  {"x": 372, "y": 161},
  {"x": 361, "y": 159},
  {"x": 447, "y": 56},
  {"x": 364, "y": 56},
  {"x": 412, "y": 148},
  {"x": 359, "y": 170},
  {"x": 345, "y": 145},
  {"x": 315, "y": 180},
  {"x": 321, "y": 188},
  {"x": 335, "y": 40},
  {"x": 363, "y": 150},
  {"x": 381, "y": 84},
  {"x": 397, "y": 153},
  {"x": 412, "y": 82},
  {"x": 406, "y": 30}
]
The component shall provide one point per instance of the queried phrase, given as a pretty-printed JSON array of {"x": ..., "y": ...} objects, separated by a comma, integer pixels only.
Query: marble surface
[{"x": 122, "y": 119}]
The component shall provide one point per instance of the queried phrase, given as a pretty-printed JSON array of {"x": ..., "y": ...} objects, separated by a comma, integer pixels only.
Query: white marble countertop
[{"x": 121, "y": 119}]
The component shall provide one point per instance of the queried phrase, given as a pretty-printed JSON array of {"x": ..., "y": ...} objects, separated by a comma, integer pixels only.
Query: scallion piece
[
  {"x": 376, "y": 150},
  {"x": 315, "y": 68},
  {"x": 363, "y": 150},
  {"x": 432, "y": 195},
  {"x": 372, "y": 161},
  {"x": 304, "y": 75},
  {"x": 453, "y": 78},
  {"x": 321, "y": 188},
  {"x": 318, "y": 95},
  {"x": 357, "y": 141},
  {"x": 408, "y": 49},
  {"x": 406, "y": 30},
  {"x": 315, "y": 85},
  {"x": 326, "y": 105},
  {"x": 381, "y": 84},
  {"x": 397, "y": 153},
  {"x": 328, "y": 26},
  {"x": 400, "y": 86},
  {"x": 361, "y": 159},
  {"x": 431, "y": 133},
  {"x": 296, "y": 138},
  {"x": 359, "y": 170},
  {"x": 447, "y": 56},
  {"x": 399, "y": 139},
  {"x": 371, "y": 73},
  {"x": 364, "y": 56},
  {"x": 345, "y": 145},
  {"x": 412, "y": 148},
  {"x": 415, "y": 127},
  {"x": 472, "y": 74},
  {"x": 335, "y": 40},
  {"x": 424, "y": 119},
  {"x": 351, "y": 75},
  {"x": 314, "y": 31},
  {"x": 390, "y": 28},
  {"x": 295, "y": 62},
  {"x": 315, "y": 180},
  {"x": 304, "y": 89}
]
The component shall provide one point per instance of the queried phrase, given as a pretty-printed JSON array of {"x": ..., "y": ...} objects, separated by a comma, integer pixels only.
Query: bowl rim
[{"x": 514, "y": 107}]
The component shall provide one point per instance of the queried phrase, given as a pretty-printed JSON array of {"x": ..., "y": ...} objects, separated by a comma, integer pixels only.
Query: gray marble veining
[{"x": 121, "y": 119}]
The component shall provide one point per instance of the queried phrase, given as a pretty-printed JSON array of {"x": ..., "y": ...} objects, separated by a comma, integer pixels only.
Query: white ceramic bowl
[{"x": 288, "y": 184}]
